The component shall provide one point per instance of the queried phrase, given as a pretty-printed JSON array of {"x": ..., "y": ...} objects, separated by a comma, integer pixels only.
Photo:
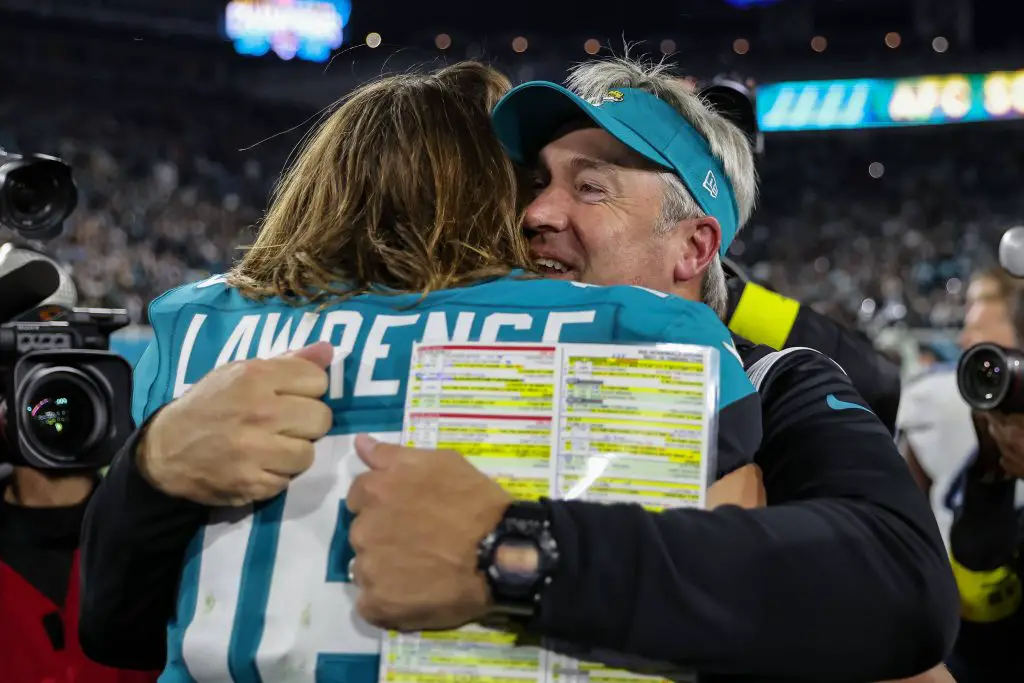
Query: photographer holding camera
[
  {"x": 63, "y": 415},
  {"x": 986, "y": 539}
]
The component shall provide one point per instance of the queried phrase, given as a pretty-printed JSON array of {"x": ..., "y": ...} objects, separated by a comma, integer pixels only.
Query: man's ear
[{"x": 702, "y": 239}]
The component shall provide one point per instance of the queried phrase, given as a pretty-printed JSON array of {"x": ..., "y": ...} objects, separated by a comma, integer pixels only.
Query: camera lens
[
  {"x": 36, "y": 194},
  {"x": 63, "y": 413},
  {"x": 31, "y": 203},
  {"x": 984, "y": 376}
]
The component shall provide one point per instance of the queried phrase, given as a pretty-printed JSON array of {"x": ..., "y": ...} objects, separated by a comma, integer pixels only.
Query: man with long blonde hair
[{"x": 398, "y": 221}]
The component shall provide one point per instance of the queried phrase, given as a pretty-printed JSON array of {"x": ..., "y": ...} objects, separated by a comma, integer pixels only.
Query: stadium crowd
[
  {"x": 901, "y": 245},
  {"x": 165, "y": 195},
  {"x": 168, "y": 195}
]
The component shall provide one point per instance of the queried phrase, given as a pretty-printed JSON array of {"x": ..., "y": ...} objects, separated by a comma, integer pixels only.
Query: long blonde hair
[{"x": 403, "y": 186}]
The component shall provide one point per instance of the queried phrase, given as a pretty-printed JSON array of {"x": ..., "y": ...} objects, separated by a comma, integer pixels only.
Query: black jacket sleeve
[
  {"x": 875, "y": 377},
  {"x": 739, "y": 434},
  {"x": 984, "y": 535},
  {"x": 842, "y": 578},
  {"x": 985, "y": 545},
  {"x": 133, "y": 545}
]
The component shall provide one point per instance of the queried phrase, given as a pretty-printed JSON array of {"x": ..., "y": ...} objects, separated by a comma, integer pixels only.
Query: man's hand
[
  {"x": 939, "y": 674},
  {"x": 242, "y": 432},
  {"x": 743, "y": 487},
  {"x": 421, "y": 515},
  {"x": 1007, "y": 430}
]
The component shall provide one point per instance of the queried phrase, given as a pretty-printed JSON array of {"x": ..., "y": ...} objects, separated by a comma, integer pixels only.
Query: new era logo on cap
[{"x": 711, "y": 185}]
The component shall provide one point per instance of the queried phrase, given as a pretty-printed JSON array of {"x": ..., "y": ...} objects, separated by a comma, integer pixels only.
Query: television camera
[{"x": 64, "y": 398}]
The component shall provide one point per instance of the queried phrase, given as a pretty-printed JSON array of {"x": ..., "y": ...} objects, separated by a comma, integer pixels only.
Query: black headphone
[{"x": 731, "y": 98}]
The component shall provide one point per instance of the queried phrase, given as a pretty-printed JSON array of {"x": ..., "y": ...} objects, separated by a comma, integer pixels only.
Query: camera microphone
[
  {"x": 29, "y": 279},
  {"x": 1011, "y": 251}
]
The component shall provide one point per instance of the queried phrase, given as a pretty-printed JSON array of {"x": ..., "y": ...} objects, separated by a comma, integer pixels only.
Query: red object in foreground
[{"x": 39, "y": 639}]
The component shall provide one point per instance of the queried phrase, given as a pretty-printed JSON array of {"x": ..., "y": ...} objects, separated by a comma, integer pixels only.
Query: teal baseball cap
[{"x": 528, "y": 117}]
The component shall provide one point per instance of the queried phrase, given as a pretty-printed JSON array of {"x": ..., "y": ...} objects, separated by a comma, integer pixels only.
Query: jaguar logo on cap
[{"x": 613, "y": 96}]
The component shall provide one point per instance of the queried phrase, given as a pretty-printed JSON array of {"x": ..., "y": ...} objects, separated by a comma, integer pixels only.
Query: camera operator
[
  {"x": 63, "y": 415},
  {"x": 40, "y": 518},
  {"x": 986, "y": 539},
  {"x": 985, "y": 545},
  {"x": 42, "y": 500},
  {"x": 936, "y": 430}
]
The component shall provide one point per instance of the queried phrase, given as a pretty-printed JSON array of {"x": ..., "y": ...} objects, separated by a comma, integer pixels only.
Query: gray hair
[{"x": 592, "y": 80}]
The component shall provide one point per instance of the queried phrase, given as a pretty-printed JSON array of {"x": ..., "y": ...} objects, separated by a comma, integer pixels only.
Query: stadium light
[
  {"x": 519, "y": 44},
  {"x": 818, "y": 43},
  {"x": 592, "y": 46},
  {"x": 893, "y": 40},
  {"x": 741, "y": 46},
  {"x": 373, "y": 39},
  {"x": 940, "y": 44},
  {"x": 443, "y": 41},
  {"x": 308, "y": 30}
]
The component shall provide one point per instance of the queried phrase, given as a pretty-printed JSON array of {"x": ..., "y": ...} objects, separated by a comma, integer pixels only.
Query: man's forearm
[
  {"x": 762, "y": 592},
  {"x": 133, "y": 544},
  {"x": 984, "y": 544},
  {"x": 984, "y": 533}
]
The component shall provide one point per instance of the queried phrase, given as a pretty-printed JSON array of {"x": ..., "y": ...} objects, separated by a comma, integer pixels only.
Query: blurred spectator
[
  {"x": 899, "y": 247},
  {"x": 166, "y": 194},
  {"x": 937, "y": 435}
]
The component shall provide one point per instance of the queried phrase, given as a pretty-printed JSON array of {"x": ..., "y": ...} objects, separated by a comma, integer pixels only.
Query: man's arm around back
[{"x": 843, "y": 577}]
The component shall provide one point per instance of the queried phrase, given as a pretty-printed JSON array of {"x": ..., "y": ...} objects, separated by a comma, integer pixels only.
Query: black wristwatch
[{"x": 517, "y": 589}]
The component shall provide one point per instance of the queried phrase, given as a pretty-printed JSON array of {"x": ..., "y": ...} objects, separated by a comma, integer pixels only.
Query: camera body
[{"x": 67, "y": 396}]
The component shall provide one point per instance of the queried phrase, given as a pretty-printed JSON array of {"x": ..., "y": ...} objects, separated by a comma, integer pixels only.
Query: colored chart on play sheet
[
  {"x": 492, "y": 403},
  {"x": 568, "y": 670},
  {"x": 472, "y": 653},
  {"x": 632, "y": 424},
  {"x": 603, "y": 423}
]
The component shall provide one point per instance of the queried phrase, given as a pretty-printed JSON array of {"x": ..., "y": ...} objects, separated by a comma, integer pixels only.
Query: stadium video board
[
  {"x": 307, "y": 29},
  {"x": 879, "y": 102}
]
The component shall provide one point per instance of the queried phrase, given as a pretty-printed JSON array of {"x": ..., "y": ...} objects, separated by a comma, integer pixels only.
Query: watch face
[{"x": 516, "y": 562}]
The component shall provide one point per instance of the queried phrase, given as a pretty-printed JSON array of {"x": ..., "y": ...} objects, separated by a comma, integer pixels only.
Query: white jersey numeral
[{"x": 273, "y": 602}]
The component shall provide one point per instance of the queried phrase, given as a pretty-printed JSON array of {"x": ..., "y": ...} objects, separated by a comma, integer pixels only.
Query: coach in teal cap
[{"x": 529, "y": 117}]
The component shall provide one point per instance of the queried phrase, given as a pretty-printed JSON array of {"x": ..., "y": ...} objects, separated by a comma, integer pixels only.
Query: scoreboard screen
[
  {"x": 877, "y": 102},
  {"x": 307, "y": 29},
  {"x": 750, "y": 3}
]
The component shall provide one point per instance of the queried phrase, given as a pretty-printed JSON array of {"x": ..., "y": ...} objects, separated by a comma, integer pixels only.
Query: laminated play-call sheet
[{"x": 604, "y": 423}]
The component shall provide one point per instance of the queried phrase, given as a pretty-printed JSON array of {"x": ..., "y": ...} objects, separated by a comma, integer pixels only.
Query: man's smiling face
[{"x": 597, "y": 214}]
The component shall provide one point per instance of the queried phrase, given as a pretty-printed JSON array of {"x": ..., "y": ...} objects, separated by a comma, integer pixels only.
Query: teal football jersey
[{"x": 264, "y": 594}]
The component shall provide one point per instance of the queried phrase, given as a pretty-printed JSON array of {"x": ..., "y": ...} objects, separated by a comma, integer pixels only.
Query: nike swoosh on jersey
[
  {"x": 838, "y": 404},
  {"x": 732, "y": 349}
]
